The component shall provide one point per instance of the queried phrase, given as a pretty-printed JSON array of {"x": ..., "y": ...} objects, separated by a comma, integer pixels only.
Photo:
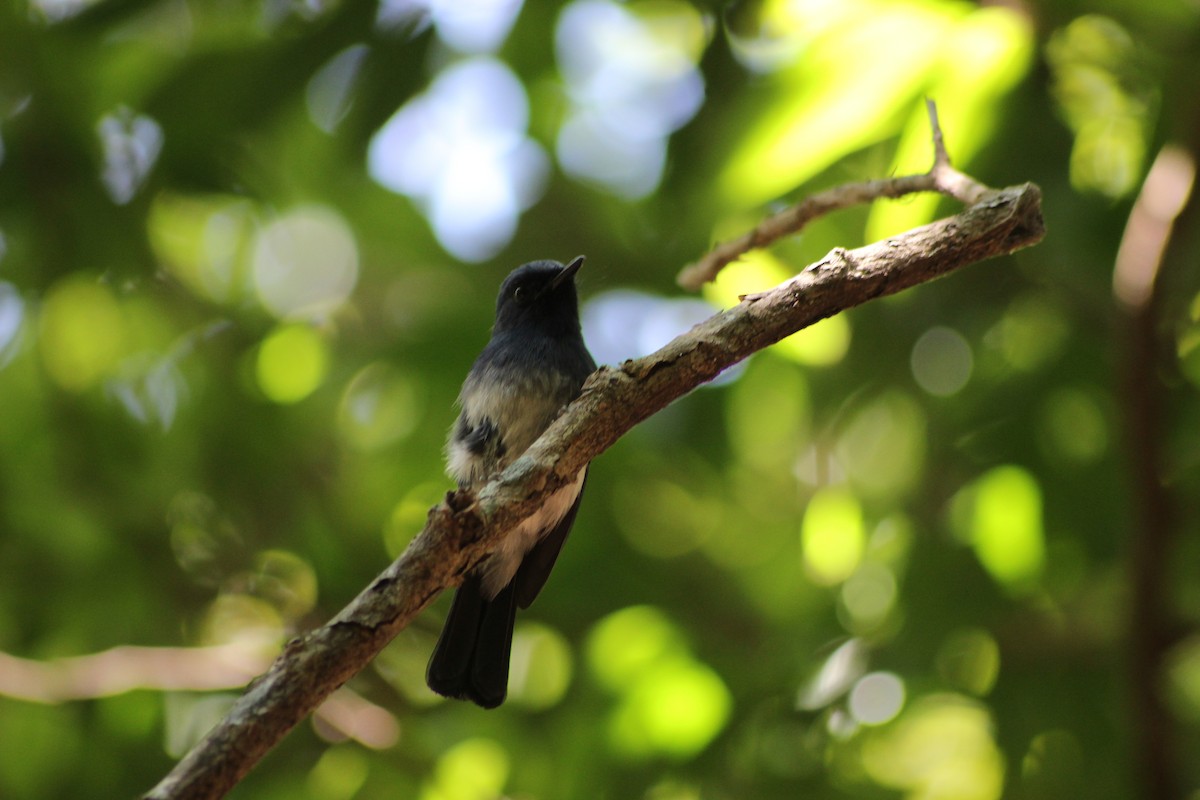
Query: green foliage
[{"x": 248, "y": 251}]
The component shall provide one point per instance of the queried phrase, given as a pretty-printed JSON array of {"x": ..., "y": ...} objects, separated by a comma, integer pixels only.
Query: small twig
[
  {"x": 946, "y": 179},
  {"x": 941, "y": 177}
]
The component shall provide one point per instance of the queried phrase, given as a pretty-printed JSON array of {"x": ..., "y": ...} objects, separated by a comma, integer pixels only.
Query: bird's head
[{"x": 540, "y": 296}]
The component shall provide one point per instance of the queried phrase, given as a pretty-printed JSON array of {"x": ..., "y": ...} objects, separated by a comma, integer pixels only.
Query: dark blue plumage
[{"x": 534, "y": 364}]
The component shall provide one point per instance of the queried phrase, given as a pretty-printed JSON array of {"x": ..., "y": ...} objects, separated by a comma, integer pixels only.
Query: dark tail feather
[{"x": 470, "y": 661}]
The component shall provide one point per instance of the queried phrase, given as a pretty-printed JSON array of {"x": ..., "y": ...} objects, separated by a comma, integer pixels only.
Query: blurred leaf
[
  {"x": 1006, "y": 526},
  {"x": 941, "y": 748},
  {"x": 832, "y": 536},
  {"x": 822, "y": 112}
]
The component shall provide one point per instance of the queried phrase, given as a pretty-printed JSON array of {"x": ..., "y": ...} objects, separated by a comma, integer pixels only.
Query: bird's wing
[
  {"x": 535, "y": 567},
  {"x": 482, "y": 438},
  {"x": 475, "y": 450}
]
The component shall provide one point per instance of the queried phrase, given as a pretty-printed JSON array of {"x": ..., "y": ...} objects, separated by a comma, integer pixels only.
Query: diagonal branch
[
  {"x": 462, "y": 529},
  {"x": 941, "y": 177}
]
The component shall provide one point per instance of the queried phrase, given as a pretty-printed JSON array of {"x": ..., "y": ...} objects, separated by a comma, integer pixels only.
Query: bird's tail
[{"x": 470, "y": 661}]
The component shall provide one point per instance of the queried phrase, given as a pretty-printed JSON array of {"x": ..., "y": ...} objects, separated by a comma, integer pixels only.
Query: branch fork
[{"x": 942, "y": 177}]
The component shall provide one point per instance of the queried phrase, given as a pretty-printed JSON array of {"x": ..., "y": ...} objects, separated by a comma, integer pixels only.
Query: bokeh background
[{"x": 943, "y": 546}]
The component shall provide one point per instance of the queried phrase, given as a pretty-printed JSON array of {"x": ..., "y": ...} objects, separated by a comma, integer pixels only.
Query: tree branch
[
  {"x": 465, "y": 526},
  {"x": 1138, "y": 290},
  {"x": 942, "y": 178}
]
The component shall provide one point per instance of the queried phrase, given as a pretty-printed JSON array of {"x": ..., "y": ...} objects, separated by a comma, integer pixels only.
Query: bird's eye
[{"x": 521, "y": 294}]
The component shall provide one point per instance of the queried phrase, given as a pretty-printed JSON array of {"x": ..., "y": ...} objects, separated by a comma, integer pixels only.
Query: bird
[{"x": 534, "y": 364}]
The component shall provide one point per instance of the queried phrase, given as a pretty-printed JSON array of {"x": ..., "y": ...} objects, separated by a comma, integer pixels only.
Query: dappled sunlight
[
  {"x": 631, "y": 76},
  {"x": 621, "y": 323},
  {"x": 941, "y": 748},
  {"x": 305, "y": 262},
  {"x": 204, "y": 241},
  {"x": 969, "y": 659},
  {"x": 1000, "y": 516},
  {"x": 81, "y": 333},
  {"x": 941, "y": 361},
  {"x": 467, "y": 26},
  {"x": 967, "y": 59},
  {"x": 248, "y": 253},
  {"x": 259, "y": 596},
  {"x": 460, "y": 151},
  {"x": 668, "y": 703},
  {"x": 259, "y": 603},
  {"x": 338, "y": 774},
  {"x": 292, "y": 362},
  {"x": 1031, "y": 334},
  {"x": 755, "y": 271},
  {"x": 830, "y": 112},
  {"x": 867, "y": 597},
  {"x": 473, "y": 769},
  {"x": 1105, "y": 92},
  {"x": 626, "y": 643},
  {"x": 380, "y": 406},
  {"x": 983, "y": 58},
  {"x": 53, "y": 11},
  {"x": 821, "y": 344},
  {"x": 832, "y": 536},
  {"x": 882, "y": 445},
  {"x": 235, "y": 618},
  {"x": 876, "y": 698},
  {"x": 541, "y": 666},
  {"x": 673, "y": 709},
  {"x": 768, "y": 35},
  {"x": 408, "y": 516}
]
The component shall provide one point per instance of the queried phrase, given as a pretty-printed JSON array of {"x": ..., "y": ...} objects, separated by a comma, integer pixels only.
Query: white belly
[{"x": 502, "y": 565}]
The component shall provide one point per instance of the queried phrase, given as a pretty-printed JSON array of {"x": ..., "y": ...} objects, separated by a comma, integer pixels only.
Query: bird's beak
[{"x": 567, "y": 273}]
